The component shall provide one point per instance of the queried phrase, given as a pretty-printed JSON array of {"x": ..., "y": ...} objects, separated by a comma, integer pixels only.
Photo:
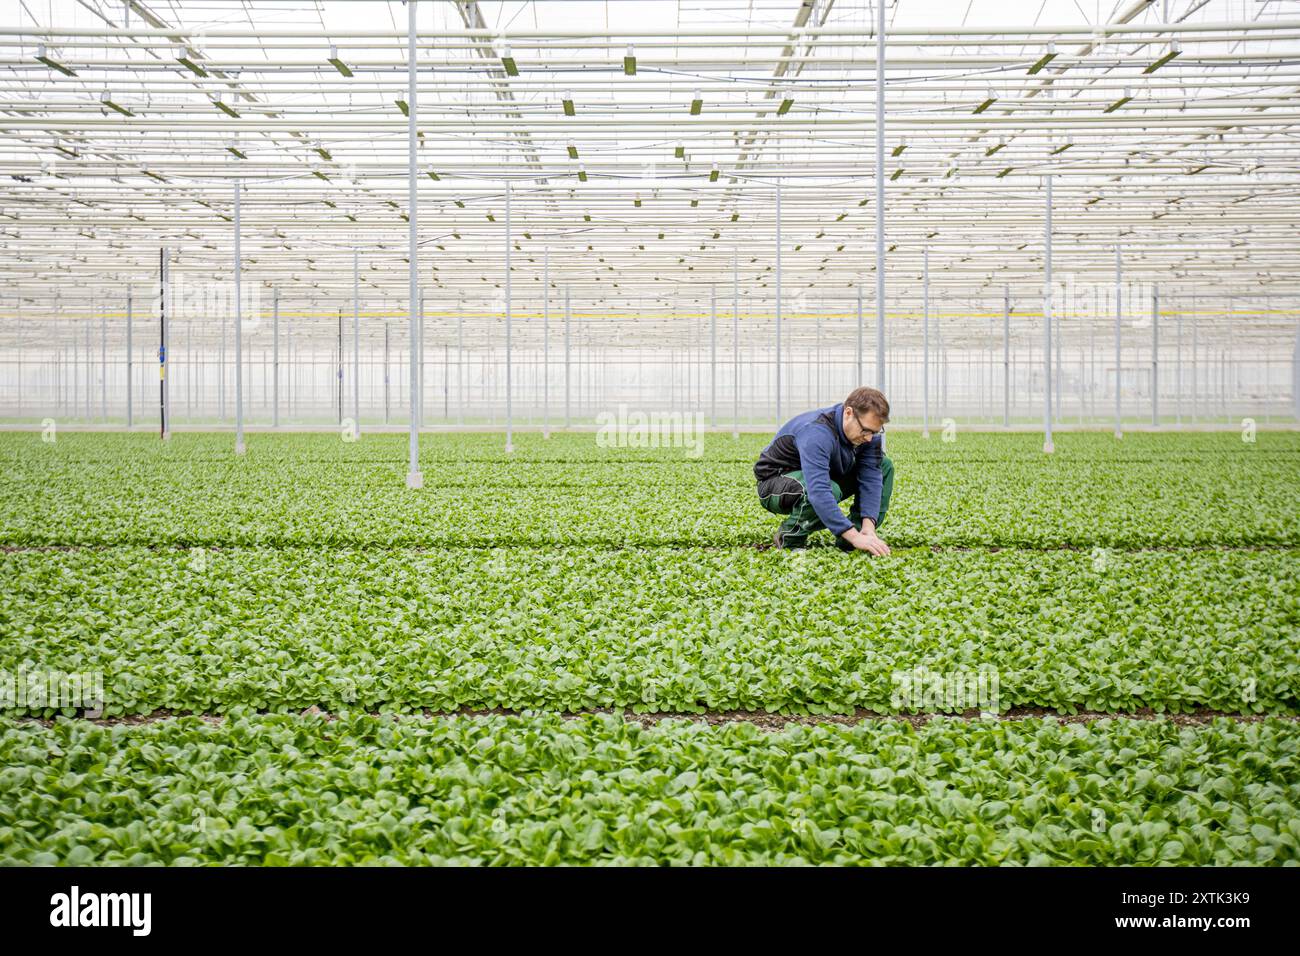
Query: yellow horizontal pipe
[{"x": 1135, "y": 312}]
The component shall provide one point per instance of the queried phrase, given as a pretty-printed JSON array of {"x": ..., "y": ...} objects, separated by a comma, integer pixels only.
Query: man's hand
[{"x": 866, "y": 540}]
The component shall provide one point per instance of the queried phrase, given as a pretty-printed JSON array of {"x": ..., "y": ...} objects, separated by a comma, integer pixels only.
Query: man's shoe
[{"x": 787, "y": 542}]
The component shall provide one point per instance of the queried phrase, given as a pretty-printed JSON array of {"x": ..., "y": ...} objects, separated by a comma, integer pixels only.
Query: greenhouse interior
[
  {"x": 399, "y": 373},
  {"x": 1035, "y": 208}
]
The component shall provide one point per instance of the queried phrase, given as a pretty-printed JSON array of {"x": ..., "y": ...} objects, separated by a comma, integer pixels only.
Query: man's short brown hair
[{"x": 866, "y": 399}]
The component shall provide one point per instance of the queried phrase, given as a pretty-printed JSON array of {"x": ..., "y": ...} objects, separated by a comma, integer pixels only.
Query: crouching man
[{"x": 822, "y": 457}]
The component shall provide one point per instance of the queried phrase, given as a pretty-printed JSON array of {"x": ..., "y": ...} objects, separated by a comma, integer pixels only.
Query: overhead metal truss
[{"x": 642, "y": 146}]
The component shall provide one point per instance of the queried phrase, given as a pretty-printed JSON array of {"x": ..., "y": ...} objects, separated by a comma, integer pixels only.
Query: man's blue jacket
[{"x": 815, "y": 444}]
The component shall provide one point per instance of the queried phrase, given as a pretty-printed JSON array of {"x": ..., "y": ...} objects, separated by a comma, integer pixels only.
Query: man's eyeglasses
[{"x": 870, "y": 431}]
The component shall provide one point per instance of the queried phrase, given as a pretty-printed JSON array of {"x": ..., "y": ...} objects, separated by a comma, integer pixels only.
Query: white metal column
[
  {"x": 460, "y": 363},
  {"x": 130, "y": 405},
  {"x": 567, "y": 369},
  {"x": 735, "y": 343},
  {"x": 275, "y": 358},
  {"x": 1295, "y": 375},
  {"x": 1048, "y": 447},
  {"x": 1057, "y": 350},
  {"x": 857, "y": 378},
  {"x": 925, "y": 343},
  {"x": 510, "y": 408},
  {"x": 1195, "y": 367},
  {"x": 414, "y": 478},
  {"x": 419, "y": 338},
  {"x": 164, "y": 414},
  {"x": 290, "y": 372},
  {"x": 90, "y": 373},
  {"x": 18, "y": 315},
  {"x": 103, "y": 366},
  {"x": 713, "y": 356},
  {"x": 356, "y": 343},
  {"x": 189, "y": 370},
  {"x": 1178, "y": 369},
  {"x": 546, "y": 343},
  {"x": 1155, "y": 356},
  {"x": 880, "y": 195},
  {"x": 778, "y": 303},
  {"x": 239, "y": 340},
  {"x": 1006, "y": 356},
  {"x": 221, "y": 369},
  {"x": 1119, "y": 311}
]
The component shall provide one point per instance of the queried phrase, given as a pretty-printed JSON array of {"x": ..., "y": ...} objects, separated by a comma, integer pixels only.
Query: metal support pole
[
  {"x": 1058, "y": 350},
  {"x": 130, "y": 407},
  {"x": 338, "y": 370},
  {"x": 1178, "y": 371},
  {"x": 1195, "y": 367},
  {"x": 735, "y": 343},
  {"x": 1295, "y": 375},
  {"x": 460, "y": 363},
  {"x": 567, "y": 370},
  {"x": 1155, "y": 356},
  {"x": 1119, "y": 312},
  {"x": 816, "y": 376},
  {"x": 1082, "y": 379},
  {"x": 103, "y": 366},
  {"x": 19, "y": 390},
  {"x": 419, "y": 337},
  {"x": 356, "y": 343},
  {"x": 1092, "y": 357},
  {"x": 880, "y": 195},
  {"x": 1221, "y": 379},
  {"x": 291, "y": 371},
  {"x": 510, "y": 421},
  {"x": 713, "y": 356},
  {"x": 90, "y": 372},
  {"x": 1006, "y": 356},
  {"x": 414, "y": 479},
  {"x": 189, "y": 369},
  {"x": 275, "y": 358},
  {"x": 1047, "y": 317},
  {"x": 386, "y": 389},
  {"x": 925, "y": 342},
  {"x": 546, "y": 343},
  {"x": 163, "y": 424},
  {"x": 857, "y": 378},
  {"x": 239, "y": 341},
  {"x": 221, "y": 370},
  {"x": 778, "y": 303},
  {"x": 944, "y": 407}
]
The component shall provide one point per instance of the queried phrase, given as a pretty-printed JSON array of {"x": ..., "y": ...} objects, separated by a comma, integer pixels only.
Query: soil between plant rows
[{"x": 760, "y": 719}]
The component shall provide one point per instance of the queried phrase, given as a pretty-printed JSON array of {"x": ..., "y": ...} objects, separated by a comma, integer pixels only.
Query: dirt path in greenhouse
[
  {"x": 765, "y": 545},
  {"x": 760, "y": 719}
]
